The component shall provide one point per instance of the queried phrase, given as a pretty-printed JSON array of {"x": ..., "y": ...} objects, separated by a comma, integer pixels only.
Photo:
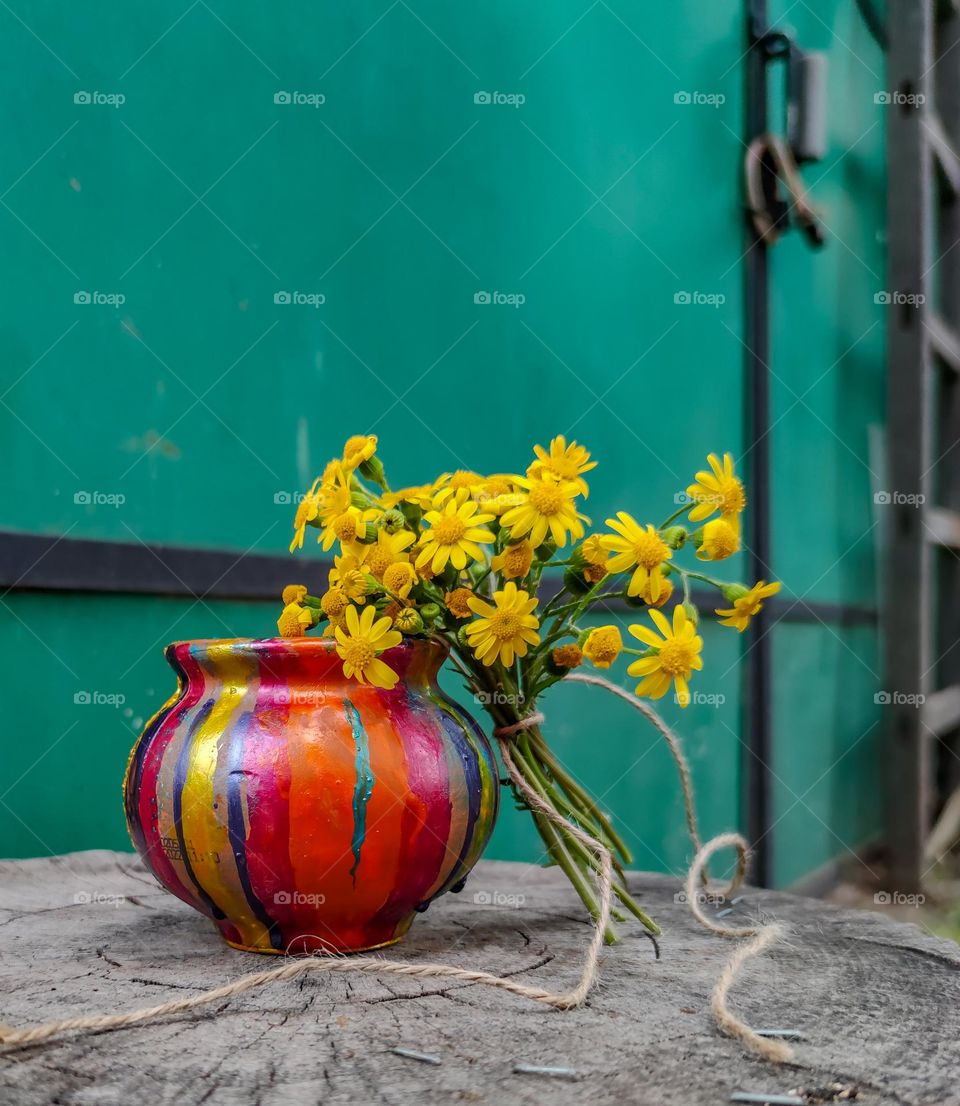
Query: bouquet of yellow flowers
[{"x": 469, "y": 560}]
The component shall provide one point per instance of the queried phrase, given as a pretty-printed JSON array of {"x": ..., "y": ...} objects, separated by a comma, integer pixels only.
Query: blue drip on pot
[{"x": 363, "y": 787}]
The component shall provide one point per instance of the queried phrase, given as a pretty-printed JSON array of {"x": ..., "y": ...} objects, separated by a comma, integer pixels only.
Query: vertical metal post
[
  {"x": 946, "y": 81},
  {"x": 908, "y": 606},
  {"x": 756, "y": 771}
]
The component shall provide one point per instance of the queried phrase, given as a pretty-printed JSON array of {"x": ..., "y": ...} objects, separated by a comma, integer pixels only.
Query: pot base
[{"x": 332, "y": 952}]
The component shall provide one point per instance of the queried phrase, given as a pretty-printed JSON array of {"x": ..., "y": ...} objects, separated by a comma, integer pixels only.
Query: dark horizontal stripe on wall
[
  {"x": 36, "y": 562},
  {"x": 781, "y": 610},
  {"x": 40, "y": 563}
]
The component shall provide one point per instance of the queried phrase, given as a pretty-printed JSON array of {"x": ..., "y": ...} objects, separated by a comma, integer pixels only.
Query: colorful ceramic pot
[{"x": 302, "y": 811}]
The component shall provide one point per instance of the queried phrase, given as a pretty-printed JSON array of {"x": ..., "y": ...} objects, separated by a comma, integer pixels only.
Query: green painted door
[
  {"x": 828, "y": 387},
  {"x": 234, "y": 235}
]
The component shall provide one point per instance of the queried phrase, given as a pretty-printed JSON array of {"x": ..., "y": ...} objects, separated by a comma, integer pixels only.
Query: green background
[{"x": 206, "y": 404}]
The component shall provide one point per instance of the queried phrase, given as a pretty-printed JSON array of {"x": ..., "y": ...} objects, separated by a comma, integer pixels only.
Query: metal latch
[{"x": 777, "y": 198}]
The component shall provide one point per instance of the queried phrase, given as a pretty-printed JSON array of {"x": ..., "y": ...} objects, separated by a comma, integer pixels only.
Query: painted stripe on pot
[{"x": 425, "y": 821}]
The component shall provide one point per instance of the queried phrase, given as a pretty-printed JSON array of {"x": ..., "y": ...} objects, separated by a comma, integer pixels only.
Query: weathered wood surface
[{"x": 878, "y": 1002}]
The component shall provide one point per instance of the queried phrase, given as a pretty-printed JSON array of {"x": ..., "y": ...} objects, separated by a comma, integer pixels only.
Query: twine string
[{"x": 762, "y": 937}]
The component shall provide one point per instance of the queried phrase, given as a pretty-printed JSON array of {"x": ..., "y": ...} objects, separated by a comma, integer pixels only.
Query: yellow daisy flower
[
  {"x": 420, "y": 495},
  {"x": 499, "y": 493},
  {"x": 639, "y": 548},
  {"x": 334, "y": 603},
  {"x": 548, "y": 507},
  {"x": 360, "y": 641},
  {"x": 677, "y": 655},
  {"x": 566, "y": 656},
  {"x": 387, "y": 550},
  {"x": 504, "y": 630},
  {"x": 294, "y": 593},
  {"x": 333, "y": 499},
  {"x": 564, "y": 462},
  {"x": 307, "y": 510},
  {"x": 515, "y": 561},
  {"x": 718, "y": 490},
  {"x": 359, "y": 448},
  {"x": 721, "y": 538},
  {"x": 399, "y": 578},
  {"x": 349, "y": 575},
  {"x": 294, "y": 621},
  {"x": 456, "y": 602},
  {"x": 346, "y": 527},
  {"x": 454, "y": 533},
  {"x": 450, "y": 483},
  {"x": 603, "y": 646},
  {"x": 666, "y": 590},
  {"x": 592, "y": 550},
  {"x": 746, "y": 605},
  {"x": 593, "y": 574}
]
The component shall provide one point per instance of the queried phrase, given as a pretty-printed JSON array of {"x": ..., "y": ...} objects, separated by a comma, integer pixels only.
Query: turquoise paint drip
[{"x": 363, "y": 787}]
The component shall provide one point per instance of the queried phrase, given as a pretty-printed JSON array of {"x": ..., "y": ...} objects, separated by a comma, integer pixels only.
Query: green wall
[{"x": 202, "y": 401}]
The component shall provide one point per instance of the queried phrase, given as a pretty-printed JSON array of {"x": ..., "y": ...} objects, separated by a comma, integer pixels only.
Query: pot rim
[{"x": 305, "y": 644}]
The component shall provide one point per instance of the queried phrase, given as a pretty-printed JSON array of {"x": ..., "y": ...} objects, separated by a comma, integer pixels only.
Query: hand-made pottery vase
[{"x": 302, "y": 811}]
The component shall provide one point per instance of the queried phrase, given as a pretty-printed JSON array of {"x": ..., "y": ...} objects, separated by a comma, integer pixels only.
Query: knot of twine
[{"x": 762, "y": 936}]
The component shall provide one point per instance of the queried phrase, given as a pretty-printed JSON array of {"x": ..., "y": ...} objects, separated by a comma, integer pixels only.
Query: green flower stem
[
  {"x": 637, "y": 911},
  {"x": 676, "y": 514},
  {"x": 557, "y": 848},
  {"x": 548, "y": 609},
  {"x": 482, "y": 577},
  {"x": 591, "y": 861},
  {"x": 720, "y": 584},
  {"x": 565, "y": 804},
  {"x": 540, "y": 769},
  {"x": 601, "y": 598},
  {"x": 576, "y": 792},
  {"x": 524, "y": 752},
  {"x": 539, "y": 659}
]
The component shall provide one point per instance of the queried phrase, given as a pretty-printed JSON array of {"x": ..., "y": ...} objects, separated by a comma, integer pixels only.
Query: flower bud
[
  {"x": 693, "y": 615},
  {"x": 674, "y": 536},
  {"x": 733, "y": 592},
  {"x": 392, "y": 521},
  {"x": 430, "y": 612},
  {"x": 409, "y": 621},
  {"x": 372, "y": 469}
]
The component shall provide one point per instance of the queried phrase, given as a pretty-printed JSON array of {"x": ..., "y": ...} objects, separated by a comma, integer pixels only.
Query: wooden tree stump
[{"x": 878, "y": 1002}]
